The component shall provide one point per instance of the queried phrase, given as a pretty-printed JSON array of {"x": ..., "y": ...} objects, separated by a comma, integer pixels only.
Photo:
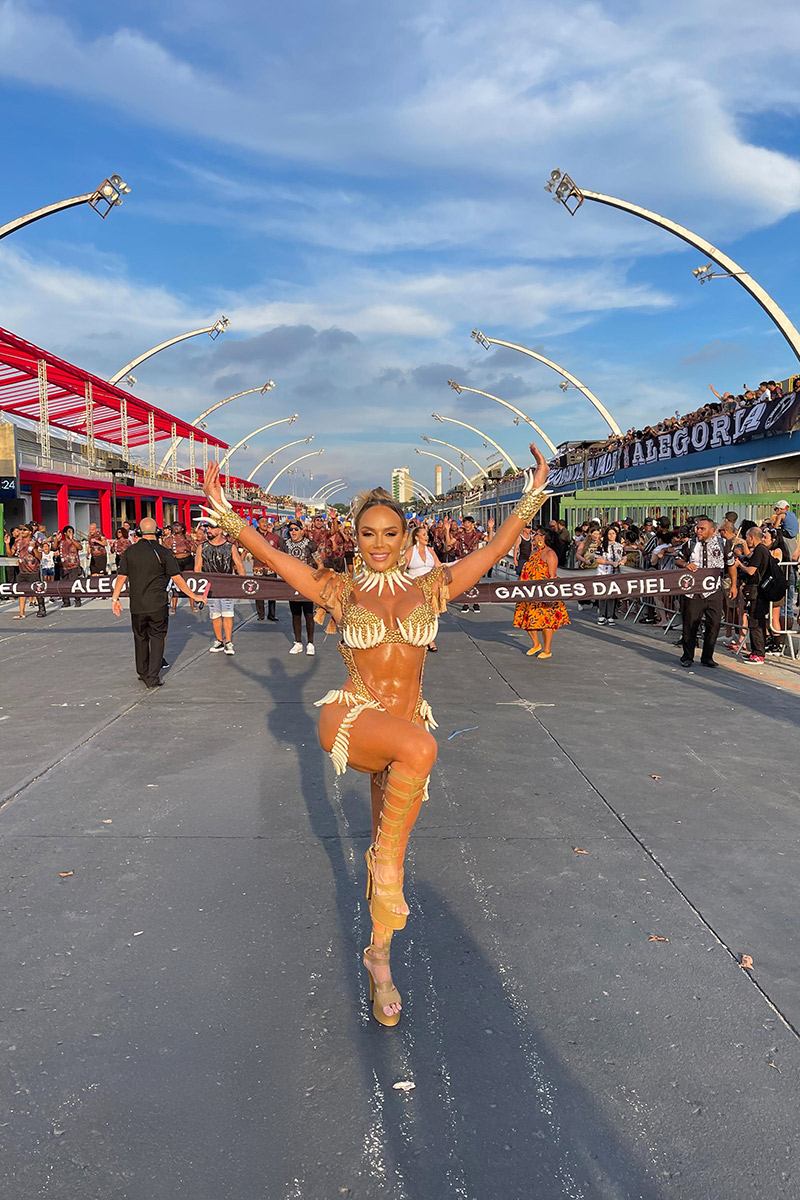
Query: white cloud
[{"x": 642, "y": 100}]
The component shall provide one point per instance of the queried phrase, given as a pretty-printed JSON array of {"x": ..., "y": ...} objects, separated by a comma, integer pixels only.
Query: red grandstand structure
[{"x": 69, "y": 453}]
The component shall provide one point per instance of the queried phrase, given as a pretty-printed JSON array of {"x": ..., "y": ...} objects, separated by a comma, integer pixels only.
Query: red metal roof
[{"x": 19, "y": 394}]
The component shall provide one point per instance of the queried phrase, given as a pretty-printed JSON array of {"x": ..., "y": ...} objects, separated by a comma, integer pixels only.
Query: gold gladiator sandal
[
  {"x": 385, "y": 851},
  {"x": 381, "y": 994}
]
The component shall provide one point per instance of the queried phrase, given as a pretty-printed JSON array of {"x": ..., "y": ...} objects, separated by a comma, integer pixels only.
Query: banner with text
[
  {"x": 627, "y": 585},
  {"x": 765, "y": 419}
]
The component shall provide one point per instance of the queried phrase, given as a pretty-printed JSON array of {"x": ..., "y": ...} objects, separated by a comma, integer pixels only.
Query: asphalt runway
[{"x": 184, "y": 1012}]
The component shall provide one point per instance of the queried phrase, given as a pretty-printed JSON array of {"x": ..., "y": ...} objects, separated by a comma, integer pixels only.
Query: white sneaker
[
  {"x": 297, "y": 648},
  {"x": 215, "y": 649},
  {"x": 310, "y": 648},
  {"x": 229, "y": 648}
]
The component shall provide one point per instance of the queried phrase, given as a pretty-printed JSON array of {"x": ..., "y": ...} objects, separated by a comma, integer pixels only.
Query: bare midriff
[{"x": 392, "y": 674}]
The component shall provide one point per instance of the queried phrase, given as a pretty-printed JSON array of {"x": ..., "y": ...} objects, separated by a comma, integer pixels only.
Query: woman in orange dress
[{"x": 544, "y": 615}]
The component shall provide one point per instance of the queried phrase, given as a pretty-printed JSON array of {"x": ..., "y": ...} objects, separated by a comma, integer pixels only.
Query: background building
[{"x": 402, "y": 487}]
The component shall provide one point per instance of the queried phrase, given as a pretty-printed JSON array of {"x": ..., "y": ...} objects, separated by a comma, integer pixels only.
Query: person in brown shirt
[
  {"x": 27, "y": 550},
  {"x": 176, "y": 539},
  {"x": 98, "y": 551},
  {"x": 69, "y": 551},
  {"x": 463, "y": 541},
  {"x": 267, "y": 530}
]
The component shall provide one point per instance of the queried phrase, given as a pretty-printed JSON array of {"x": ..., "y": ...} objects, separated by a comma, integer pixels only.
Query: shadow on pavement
[{"x": 467, "y": 1039}]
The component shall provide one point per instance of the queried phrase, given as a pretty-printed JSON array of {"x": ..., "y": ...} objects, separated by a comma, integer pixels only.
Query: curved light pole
[
  {"x": 213, "y": 332},
  {"x": 458, "y": 450},
  {"x": 427, "y": 495},
  {"x": 329, "y": 496},
  {"x": 566, "y": 191},
  {"x": 322, "y": 496},
  {"x": 270, "y": 457},
  {"x": 462, "y": 387},
  {"x": 105, "y": 197},
  {"x": 483, "y": 436},
  {"x": 325, "y": 486},
  {"x": 486, "y": 342},
  {"x": 223, "y": 466},
  {"x": 272, "y": 481},
  {"x": 267, "y": 387},
  {"x": 447, "y": 462}
]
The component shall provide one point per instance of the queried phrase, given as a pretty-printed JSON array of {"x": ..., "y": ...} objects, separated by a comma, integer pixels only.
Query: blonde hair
[{"x": 374, "y": 498}]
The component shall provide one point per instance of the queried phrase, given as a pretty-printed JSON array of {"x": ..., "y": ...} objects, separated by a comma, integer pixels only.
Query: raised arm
[
  {"x": 297, "y": 574},
  {"x": 468, "y": 570}
]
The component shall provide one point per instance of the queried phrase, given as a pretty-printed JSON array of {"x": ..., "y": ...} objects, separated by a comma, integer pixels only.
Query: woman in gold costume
[{"x": 378, "y": 723}]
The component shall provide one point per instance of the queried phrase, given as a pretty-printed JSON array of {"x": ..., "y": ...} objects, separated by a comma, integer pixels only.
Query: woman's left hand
[
  {"x": 490, "y": 524},
  {"x": 211, "y": 484},
  {"x": 542, "y": 469}
]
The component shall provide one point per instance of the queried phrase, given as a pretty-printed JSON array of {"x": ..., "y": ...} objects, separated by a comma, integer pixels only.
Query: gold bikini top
[{"x": 362, "y": 629}]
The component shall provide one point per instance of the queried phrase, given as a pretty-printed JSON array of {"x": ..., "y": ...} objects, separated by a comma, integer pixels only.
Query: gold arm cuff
[
  {"x": 529, "y": 506},
  {"x": 227, "y": 519}
]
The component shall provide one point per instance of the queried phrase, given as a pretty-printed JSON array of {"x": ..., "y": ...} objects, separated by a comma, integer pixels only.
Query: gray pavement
[{"x": 184, "y": 1016}]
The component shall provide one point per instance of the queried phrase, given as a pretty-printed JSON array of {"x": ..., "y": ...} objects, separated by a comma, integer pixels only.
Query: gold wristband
[
  {"x": 229, "y": 522},
  {"x": 529, "y": 506}
]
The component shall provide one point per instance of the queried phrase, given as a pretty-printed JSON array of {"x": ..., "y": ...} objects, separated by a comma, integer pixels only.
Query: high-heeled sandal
[
  {"x": 385, "y": 850},
  {"x": 381, "y": 994}
]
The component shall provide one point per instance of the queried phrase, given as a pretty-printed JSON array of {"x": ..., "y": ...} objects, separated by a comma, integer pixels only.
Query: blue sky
[{"x": 356, "y": 186}]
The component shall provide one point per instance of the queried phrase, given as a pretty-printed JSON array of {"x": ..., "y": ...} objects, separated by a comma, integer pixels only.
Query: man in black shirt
[
  {"x": 754, "y": 567},
  {"x": 148, "y": 568}
]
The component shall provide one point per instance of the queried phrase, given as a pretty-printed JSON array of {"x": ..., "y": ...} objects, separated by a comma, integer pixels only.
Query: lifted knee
[{"x": 424, "y": 755}]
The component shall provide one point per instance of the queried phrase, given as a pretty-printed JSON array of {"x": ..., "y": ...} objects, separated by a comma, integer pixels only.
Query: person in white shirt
[
  {"x": 48, "y": 563},
  {"x": 421, "y": 559},
  {"x": 609, "y": 562}
]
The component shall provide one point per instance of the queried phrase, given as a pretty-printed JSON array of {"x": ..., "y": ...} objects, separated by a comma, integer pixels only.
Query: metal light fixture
[
  {"x": 268, "y": 386},
  {"x": 480, "y": 339},
  {"x": 703, "y": 274},
  {"x": 452, "y": 383},
  {"x": 564, "y": 191},
  {"x": 109, "y": 195},
  {"x": 218, "y": 327},
  {"x": 129, "y": 381}
]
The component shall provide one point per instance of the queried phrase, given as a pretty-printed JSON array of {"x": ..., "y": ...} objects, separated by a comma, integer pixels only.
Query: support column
[
  {"x": 105, "y": 513},
  {"x": 173, "y": 466},
  {"x": 89, "y": 397},
  {"x": 192, "y": 471},
  {"x": 123, "y": 421},
  {"x": 137, "y": 508},
  {"x": 44, "y": 413},
  {"x": 160, "y": 511},
  {"x": 62, "y": 500},
  {"x": 36, "y": 502},
  {"x": 151, "y": 442}
]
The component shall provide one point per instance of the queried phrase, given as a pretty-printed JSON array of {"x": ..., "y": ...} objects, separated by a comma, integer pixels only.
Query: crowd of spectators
[
  {"x": 727, "y": 402},
  {"x": 328, "y": 541},
  {"x": 657, "y": 545}
]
